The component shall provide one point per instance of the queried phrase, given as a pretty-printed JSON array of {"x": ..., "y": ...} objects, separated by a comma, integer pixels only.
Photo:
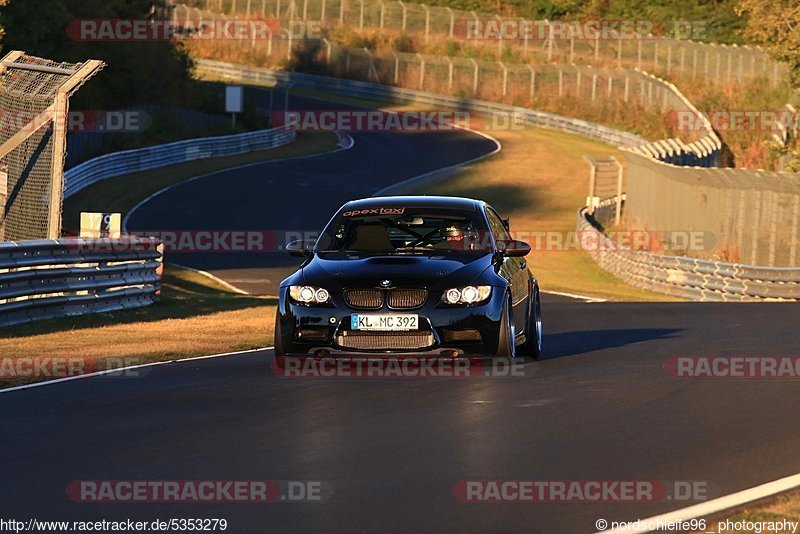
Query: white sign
[{"x": 234, "y": 96}]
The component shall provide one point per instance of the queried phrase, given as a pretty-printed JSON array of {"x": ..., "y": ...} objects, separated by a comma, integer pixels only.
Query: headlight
[
  {"x": 309, "y": 294},
  {"x": 467, "y": 295}
]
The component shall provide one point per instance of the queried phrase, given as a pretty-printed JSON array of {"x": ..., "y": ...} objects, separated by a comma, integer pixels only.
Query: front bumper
[{"x": 443, "y": 329}]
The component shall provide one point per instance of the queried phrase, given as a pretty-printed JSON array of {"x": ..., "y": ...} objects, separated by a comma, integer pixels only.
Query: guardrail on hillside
[
  {"x": 684, "y": 277},
  {"x": 260, "y": 76},
  {"x": 45, "y": 279},
  {"x": 142, "y": 159}
]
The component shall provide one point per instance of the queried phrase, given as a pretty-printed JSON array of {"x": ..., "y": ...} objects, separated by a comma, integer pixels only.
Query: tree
[
  {"x": 775, "y": 25},
  {"x": 137, "y": 72}
]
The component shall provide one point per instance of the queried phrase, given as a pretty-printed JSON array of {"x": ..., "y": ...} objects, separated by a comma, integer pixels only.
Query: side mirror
[
  {"x": 507, "y": 224},
  {"x": 299, "y": 249},
  {"x": 513, "y": 248}
]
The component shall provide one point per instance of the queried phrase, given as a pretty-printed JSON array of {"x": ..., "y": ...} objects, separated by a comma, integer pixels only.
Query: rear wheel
[
  {"x": 533, "y": 328},
  {"x": 505, "y": 344}
]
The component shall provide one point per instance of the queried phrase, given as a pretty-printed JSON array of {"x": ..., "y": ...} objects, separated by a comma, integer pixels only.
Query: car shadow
[{"x": 581, "y": 342}]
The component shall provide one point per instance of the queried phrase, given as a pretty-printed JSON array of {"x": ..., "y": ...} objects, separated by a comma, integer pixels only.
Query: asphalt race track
[
  {"x": 298, "y": 195},
  {"x": 599, "y": 407}
]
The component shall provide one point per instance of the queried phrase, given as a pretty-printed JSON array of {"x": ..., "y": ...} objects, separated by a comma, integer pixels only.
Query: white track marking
[
  {"x": 574, "y": 296},
  {"x": 216, "y": 279},
  {"x": 409, "y": 181},
  {"x": 130, "y": 367},
  {"x": 715, "y": 506}
]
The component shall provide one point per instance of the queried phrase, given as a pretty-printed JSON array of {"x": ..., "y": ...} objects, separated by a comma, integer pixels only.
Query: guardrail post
[
  {"x": 421, "y": 71},
  {"x": 773, "y": 228},
  {"x": 638, "y": 53},
  {"x": 669, "y": 59},
  {"x": 405, "y": 14},
  {"x": 474, "y": 77},
  {"x": 396, "y": 67},
  {"x": 754, "y": 235},
  {"x": 594, "y": 86},
  {"x": 590, "y": 199},
  {"x": 571, "y": 49},
  {"x": 322, "y": 11},
  {"x": 795, "y": 237},
  {"x": 560, "y": 82},
  {"x": 361, "y": 16},
  {"x": 427, "y": 22},
  {"x": 655, "y": 54},
  {"x": 505, "y": 78},
  {"x": 533, "y": 81},
  {"x": 618, "y": 212},
  {"x": 449, "y": 73},
  {"x": 327, "y": 52},
  {"x": 341, "y": 11},
  {"x": 626, "y": 92},
  {"x": 500, "y": 38},
  {"x": 452, "y": 21},
  {"x": 383, "y": 11}
]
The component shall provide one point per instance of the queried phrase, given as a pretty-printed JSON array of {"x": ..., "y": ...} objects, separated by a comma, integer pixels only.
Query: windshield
[{"x": 405, "y": 230}]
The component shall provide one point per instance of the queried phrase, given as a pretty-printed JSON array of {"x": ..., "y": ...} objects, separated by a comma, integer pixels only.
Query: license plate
[{"x": 385, "y": 322}]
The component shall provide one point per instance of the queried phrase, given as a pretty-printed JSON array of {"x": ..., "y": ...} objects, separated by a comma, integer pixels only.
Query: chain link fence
[
  {"x": 34, "y": 94},
  {"x": 717, "y": 63}
]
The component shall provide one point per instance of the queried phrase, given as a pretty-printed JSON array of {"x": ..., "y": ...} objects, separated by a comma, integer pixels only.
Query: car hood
[{"x": 434, "y": 271}]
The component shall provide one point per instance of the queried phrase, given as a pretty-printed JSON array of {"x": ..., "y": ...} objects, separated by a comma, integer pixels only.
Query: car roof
[{"x": 416, "y": 201}]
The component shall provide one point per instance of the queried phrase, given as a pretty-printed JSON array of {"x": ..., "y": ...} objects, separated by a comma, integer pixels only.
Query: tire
[
  {"x": 505, "y": 342},
  {"x": 278, "y": 342},
  {"x": 533, "y": 329}
]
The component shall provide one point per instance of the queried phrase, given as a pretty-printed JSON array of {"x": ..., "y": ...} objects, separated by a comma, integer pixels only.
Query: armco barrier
[
  {"x": 220, "y": 70},
  {"x": 684, "y": 277},
  {"x": 653, "y": 91},
  {"x": 45, "y": 279},
  {"x": 142, "y": 159}
]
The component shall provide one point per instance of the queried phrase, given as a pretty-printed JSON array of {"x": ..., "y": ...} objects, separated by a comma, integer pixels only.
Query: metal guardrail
[
  {"x": 685, "y": 277},
  {"x": 703, "y": 152},
  {"x": 260, "y": 76},
  {"x": 142, "y": 159},
  {"x": 44, "y": 279}
]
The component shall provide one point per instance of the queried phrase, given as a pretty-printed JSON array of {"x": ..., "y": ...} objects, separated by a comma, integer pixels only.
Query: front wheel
[
  {"x": 505, "y": 343},
  {"x": 533, "y": 328},
  {"x": 278, "y": 342}
]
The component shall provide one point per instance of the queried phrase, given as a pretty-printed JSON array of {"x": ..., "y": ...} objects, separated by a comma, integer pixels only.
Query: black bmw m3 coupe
[{"x": 410, "y": 275}]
